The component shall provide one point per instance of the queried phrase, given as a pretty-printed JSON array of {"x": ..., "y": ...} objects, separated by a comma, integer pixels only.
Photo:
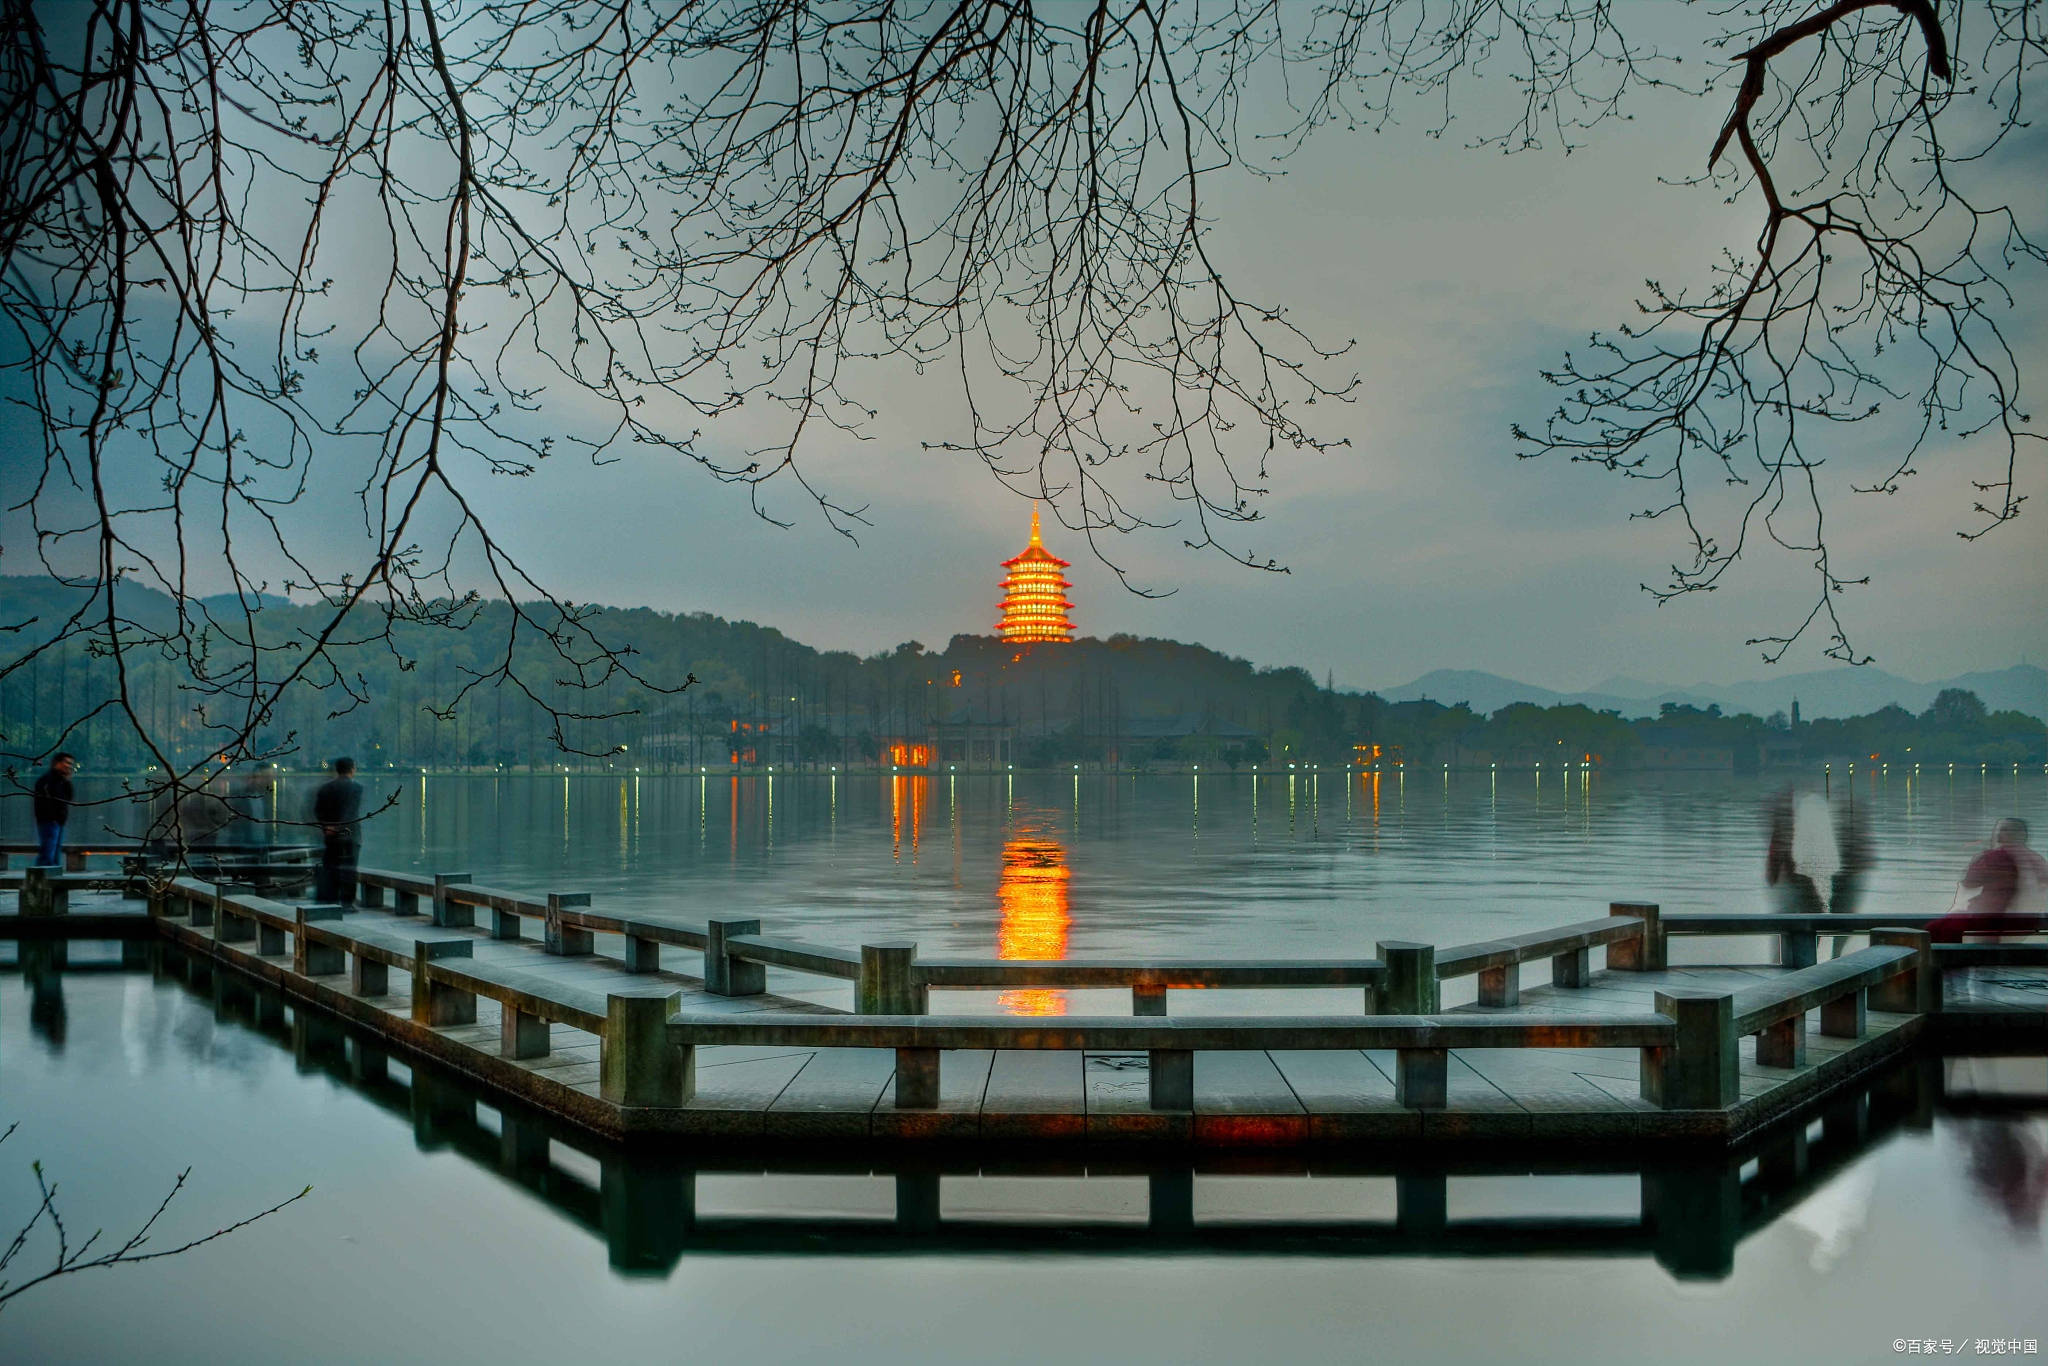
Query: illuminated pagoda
[{"x": 1035, "y": 602}]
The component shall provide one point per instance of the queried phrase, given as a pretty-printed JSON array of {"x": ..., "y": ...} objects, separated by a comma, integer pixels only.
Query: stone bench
[{"x": 1421, "y": 1044}]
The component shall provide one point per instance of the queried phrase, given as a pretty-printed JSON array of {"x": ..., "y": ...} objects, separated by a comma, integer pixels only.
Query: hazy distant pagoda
[{"x": 1035, "y": 602}]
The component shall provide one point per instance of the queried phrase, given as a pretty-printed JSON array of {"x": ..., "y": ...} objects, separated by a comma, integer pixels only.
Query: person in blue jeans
[{"x": 53, "y": 809}]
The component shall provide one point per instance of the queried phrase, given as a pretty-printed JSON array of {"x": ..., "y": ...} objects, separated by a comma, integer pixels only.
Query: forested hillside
[{"x": 1139, "y": 700}]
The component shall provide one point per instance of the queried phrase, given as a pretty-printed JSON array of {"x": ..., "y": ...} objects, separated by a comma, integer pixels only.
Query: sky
[{"x": 1421, "y": 544}]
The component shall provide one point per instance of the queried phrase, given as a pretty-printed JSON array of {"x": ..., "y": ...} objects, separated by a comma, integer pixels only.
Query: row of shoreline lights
[{"x": 1309, "y": 768}]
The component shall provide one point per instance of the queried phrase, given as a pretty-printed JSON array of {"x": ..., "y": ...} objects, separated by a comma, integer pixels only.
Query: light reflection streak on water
[
  {"x": 900, "y": 788},
  {"x": 1032, "y": 896}
]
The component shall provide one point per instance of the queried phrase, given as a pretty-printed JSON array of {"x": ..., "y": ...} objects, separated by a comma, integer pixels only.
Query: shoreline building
[{"x": 1035, "y": 605}]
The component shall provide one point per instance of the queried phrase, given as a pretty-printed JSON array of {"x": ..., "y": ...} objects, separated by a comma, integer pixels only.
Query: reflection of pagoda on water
[
  {"x": 1035, "y": 602},
  {"x": 1032, "y": 898}
]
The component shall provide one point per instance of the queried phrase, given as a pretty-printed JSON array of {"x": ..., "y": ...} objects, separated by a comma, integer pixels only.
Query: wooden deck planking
[
  {"x": 963, "y": 1085},
  {"x": 1242, "y": 1082},
  {"x": 1032, "y": 1094},
  {"x": 833, "y": 1094}
]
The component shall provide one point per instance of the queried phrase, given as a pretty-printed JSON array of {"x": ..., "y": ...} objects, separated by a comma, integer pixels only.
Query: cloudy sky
[{"x": 1423, "y": 543}]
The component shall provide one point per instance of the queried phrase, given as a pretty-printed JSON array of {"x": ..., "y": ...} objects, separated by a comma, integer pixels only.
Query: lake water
[
  {"x": 1044, "y": 865},
  {"x": 425, "y": 1237}
]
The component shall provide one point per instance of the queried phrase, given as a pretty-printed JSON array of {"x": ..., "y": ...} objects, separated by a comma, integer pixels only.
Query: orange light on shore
[{"x": 1035, "y": 604}]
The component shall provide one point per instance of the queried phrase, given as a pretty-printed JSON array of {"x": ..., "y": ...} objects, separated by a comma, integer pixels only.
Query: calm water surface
[
  {"x": 416, "y": 1245},
  {"x": 1044, "y": 865}
]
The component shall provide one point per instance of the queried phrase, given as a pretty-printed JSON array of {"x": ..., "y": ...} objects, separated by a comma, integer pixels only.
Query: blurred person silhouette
[
  {"x": 249, "y": 793},
  {"x": 201, "y": 815},
  {"x": 2009, "y": 1168},
  {"x": 53, "y": 797},
  {"x": 2009, "y": 879},
  {"x": 1812, "y": 848},
  {"x": 338, "y": 811}
]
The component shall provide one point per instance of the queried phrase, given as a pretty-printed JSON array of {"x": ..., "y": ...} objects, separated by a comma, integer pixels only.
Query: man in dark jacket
[
  {"x": 338, "y": 810},
  {"x": 53, "y": 809}
]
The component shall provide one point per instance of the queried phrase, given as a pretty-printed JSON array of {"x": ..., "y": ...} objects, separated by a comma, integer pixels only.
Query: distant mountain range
[{"x": 1826, "y": 692}]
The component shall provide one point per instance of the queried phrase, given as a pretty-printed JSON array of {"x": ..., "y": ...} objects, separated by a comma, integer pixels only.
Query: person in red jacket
[{"x": 2008, "y": 879}]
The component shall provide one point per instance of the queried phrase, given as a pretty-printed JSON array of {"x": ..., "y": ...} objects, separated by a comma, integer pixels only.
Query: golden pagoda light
[{"x": 1035, "y": 604}]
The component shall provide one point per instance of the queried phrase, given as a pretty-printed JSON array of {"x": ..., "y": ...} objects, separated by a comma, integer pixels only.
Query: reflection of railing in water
[
  {"x": 1032, "y": 895},
  {"x": 1693, "y": 1212}
]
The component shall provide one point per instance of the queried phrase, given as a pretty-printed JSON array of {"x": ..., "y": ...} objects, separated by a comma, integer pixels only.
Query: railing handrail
[
  {"x": 1799, "y": 991},
  {"x": 775, "y": 951},
  {"x": 1195, "y": 973},
  {"x": 1463, "y": 960},
  {"x": 1771, "y": 922},
  {"x": 1073, "y": 1033}
]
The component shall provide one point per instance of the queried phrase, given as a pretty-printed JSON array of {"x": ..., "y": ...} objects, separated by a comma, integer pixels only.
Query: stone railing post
[
  {"x": 1698, "y": 1072},
  {"x": 1172, "y": 1078},
  {"x": 231, "y": 926},
  {"x": 1572, "y": 968},
  {"x": 917, "y": 1078},
  {"x": 637, "y": 1065},
  {"x": 1798, "y": 948},
  {"x": 1783, "y": 1044},
  {"x": 1644, "y": 954},
  {"x": 1148, "y": 1001},
  {"x": 439, "y": 1003},
  {"x": 563, "y": 938},
  {"x": 38, "y": 897},
  {"x": 1410, "y": 986},
  {"x": 1914, "y": 991},
  {"x": 74, "y": 860},
  {"x": 446, "y": 912},
  {"x": 269, "y": 939},
  {"x": 1422, "y": 1078},
  {"x": 521, "y": 1034},
  {"x": 316, "y": 960},
  {"x": 368, "y": 976},
  {"x": 1501, "y": 986},
  {"x": 725, "y": 975},
  {"x": 642, "y": 954},
  {"x": 888, "y": 983},
  {"x": 1844, "y": 1017}
]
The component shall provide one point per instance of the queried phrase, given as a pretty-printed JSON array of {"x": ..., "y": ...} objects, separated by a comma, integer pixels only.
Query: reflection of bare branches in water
[
  {"x": 70, "y": 1260},
  {"x": 1033, "y": 897}
]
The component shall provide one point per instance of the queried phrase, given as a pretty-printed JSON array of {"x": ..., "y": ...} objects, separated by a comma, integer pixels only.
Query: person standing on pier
[
  {"x": 53, "y": 809},
  {"x": 338, "y": 810}
]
